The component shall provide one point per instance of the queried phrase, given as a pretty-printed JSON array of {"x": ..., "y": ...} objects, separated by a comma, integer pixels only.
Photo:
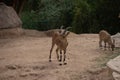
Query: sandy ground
[{"x": 26, "y": 58}]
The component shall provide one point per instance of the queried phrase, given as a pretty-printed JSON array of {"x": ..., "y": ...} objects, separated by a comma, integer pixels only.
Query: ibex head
[{"x": 65, "y": 32}]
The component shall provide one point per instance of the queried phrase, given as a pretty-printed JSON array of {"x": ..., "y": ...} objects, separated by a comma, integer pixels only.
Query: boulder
[
  {"x": 117, "y": 39},
  {"x": 10, "y": 23},
  {"x": 114, "y": 65},
  {"x": 116, "y": 76}
]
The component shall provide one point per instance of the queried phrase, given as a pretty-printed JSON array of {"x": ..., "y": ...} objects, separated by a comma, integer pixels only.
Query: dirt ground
[{"x": 26, "y": 58}]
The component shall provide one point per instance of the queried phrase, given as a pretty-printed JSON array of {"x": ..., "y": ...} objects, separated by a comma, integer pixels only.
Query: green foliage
[
  {"x": 55, "y": 12},
  {"x": 107, "y": 15},
  {"x": 50, "y": 14},
  {"x": 85, "y": 16},
  {"x": 76, "y": 21},
  {"x": 30, "y": 20},
  {"x": 81, "y": 14}
]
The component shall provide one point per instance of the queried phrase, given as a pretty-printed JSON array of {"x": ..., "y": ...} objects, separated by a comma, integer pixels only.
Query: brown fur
[
  {"x": 106, "y": 37},
  {"x": 60, "y": 40}
]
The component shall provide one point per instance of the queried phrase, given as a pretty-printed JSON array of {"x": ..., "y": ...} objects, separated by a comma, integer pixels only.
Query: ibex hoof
[
  {"x": 60, "y": 60},
  {"x": 60, "y": 64},
  {"x": 65, "y": 63},
  {"x": 50, "y": 60}
]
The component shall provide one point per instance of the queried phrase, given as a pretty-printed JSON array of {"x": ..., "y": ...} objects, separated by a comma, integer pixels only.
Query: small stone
[
  {"x": 60, "y": 64},
  {"x": 34, "y": 74},
  {"x": 23, "y": 74},
  {"x": 12, "y": 67},
  {"x": 96, "y": 70}
]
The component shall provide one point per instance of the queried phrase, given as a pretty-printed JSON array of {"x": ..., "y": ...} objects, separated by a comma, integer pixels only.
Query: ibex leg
[
  {"x": 51, "y": 52},
  {"x": 64, "y": 57},
  {"x": 105, "y": 45},
  {"x": 100, "y": 43},
  {"x": 57, "y": 54},
  {"x": 60, "y": 57}
]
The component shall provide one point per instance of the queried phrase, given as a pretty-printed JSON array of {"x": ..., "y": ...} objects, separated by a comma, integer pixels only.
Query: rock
[
  {"x": 116, "y": 35},
  {"x": 12, "y": 67},
  {"x": 114, "y": 65},
  {"x": 96, "y": 71},
  {"x": 10, "y": 23},
  {"x": 13, "y": 32},
  {"x": 117, "y": 39},
  {"x": 33, "y": 73},
  {"x": 27, "y": 70},
  {"x": 8, "y": 17},
  {"x": 23, "y": 74},
  {"x": 116, "y": 76},
  {"x": 39, "y": 67}
]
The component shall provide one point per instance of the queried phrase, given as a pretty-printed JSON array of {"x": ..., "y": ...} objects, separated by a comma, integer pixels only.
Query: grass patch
[{"x": 107, "y": 55}]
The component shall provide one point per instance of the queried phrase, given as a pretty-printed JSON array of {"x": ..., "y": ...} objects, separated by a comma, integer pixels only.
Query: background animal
[{"x": 106, "y": 38}]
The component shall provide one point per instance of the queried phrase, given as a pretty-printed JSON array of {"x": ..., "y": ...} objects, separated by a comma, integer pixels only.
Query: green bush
[
  {"x": 85, "y": 16},
  {"x": 50, "y": 14}
]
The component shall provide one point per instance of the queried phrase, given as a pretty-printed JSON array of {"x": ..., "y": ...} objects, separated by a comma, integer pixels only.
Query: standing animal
[
  {"x": 106, "y": 37},
  {"x": 60, "y": 40}
]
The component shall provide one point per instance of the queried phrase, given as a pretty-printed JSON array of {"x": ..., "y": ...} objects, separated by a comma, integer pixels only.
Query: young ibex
[
  {"x": 106, "y": 37},
  {"x": 60, "y": 39}
]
